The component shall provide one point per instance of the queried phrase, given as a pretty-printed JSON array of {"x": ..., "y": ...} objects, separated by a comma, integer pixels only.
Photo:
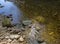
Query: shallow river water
[{"x": 7, "y": 7}]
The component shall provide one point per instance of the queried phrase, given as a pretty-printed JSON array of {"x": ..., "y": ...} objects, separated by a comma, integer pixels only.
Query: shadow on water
[{"x": 7, "y": 7}]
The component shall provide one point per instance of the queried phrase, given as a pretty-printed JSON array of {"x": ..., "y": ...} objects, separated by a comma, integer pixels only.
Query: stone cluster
[{"x": 22, "y": 35}]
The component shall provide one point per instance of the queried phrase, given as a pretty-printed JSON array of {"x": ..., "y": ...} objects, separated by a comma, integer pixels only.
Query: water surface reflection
[{"x": 7, "y": 8}]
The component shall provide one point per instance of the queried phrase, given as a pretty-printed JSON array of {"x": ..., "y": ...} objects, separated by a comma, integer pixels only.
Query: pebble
[
  {"x": 24, "y": 36},
  {"x": 41, "y": 40},
  {"x": 7, "y": 37},
  {"x": 43, "y": 43},
  {"x": 14, "y": 42},
  {"x": 8, "y": 43},
  {"x": 21, "y": 43},
  {"x": 9, "y": 40},
  {"x": 2, "y": 42},
  {"x": 14, "y": 36},
  {"x": 21, "y": 39}
]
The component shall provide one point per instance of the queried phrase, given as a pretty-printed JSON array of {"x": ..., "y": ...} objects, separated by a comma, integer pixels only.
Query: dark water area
[{"x": 7, "y": 7}]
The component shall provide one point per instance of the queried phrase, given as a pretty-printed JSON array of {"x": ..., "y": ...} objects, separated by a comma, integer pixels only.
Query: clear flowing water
[
  {"x": 10, "y": 8},
  {"x": 32, "y": 35}
]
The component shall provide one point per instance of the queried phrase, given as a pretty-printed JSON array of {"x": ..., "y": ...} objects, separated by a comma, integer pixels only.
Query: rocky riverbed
[{"x": 27, "y": 34}]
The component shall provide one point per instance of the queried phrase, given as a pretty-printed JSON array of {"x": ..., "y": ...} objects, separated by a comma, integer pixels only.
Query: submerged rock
[{"x": 27, "y": 22}]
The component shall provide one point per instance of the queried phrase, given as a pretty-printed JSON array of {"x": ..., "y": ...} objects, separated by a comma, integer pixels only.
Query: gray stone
[
  {"x": 27, "y": 22},
  {"x": 41, "y": 40}
]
